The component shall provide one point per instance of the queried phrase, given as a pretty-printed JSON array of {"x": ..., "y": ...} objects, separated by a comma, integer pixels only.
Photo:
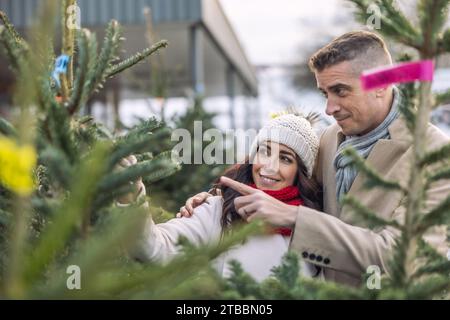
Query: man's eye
[
  {"x": 324, "y": 94},
  {"x": 341, "y": 92}
]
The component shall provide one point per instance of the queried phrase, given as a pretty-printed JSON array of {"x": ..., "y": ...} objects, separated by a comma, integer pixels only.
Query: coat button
[
  {"x": 312, "y": 256},
  {"x": 319, "y": 258},
  {"x": 326, "y": 261},
  {"x": 305, "y": 254}
]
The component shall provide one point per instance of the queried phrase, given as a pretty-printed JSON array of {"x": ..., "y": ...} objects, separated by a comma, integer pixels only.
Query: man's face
[{"x": 356, "y": 111}]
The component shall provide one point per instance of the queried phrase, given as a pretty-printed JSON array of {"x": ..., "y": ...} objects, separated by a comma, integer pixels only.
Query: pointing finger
[{"x": 238, "y": 186}]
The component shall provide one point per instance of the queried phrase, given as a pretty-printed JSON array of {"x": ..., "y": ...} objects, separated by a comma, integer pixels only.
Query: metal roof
[{"x": 209, "y": 13}]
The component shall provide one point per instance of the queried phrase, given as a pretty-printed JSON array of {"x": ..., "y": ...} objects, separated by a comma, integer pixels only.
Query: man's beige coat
[{"x": 334, "y": 239}]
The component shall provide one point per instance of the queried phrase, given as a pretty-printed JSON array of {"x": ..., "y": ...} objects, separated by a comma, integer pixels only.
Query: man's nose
[{"x": 332, "y": 107}]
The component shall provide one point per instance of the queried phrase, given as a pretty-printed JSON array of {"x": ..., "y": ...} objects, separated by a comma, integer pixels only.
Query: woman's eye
[{"x": 286, "y": 159}]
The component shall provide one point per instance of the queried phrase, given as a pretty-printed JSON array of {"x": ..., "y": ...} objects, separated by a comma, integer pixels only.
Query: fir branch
[
  {"x": 105, "y": 199},
  {"x": 57, "y": 165},
  {"x": 163, "y": 171},
  {"x": 424, "y": 249},
  {"x": 432, "y": 17},
  {"x": 434, "y": 156},
  {"x": 84, "y": 45},
  {"x": 56, "y": 235},
  {"x": 61, "y": 134},
  {"x": 367, "y": 215},
  {"x": 87, "y": 132},
  {"x": 241, "y": 282},
  {"x": 287, "y": 273},
  {"x": 445, "y": 42},
  {"x": 117, "y": 68},
  {"x": 407, "y": 107},
  {"x": 437, "y": 216},
  {"x": 68, "y": 44},
  {"x": 6, "y": 128},
  {"x": 435, "y": 262},
  {"x": 95, "y": 253},
  {"x": 330, "y": 290},
  {"x": 5, "y": 218},
  {"x": 153, "y": 170},
  {"x": 397, "y": 263},
  {"x": 108, "y": 51},
  {"x": 393, "y": 23},
  {"x": 44, "y": 206},
  {"x": 12, "y": 32},
  {"x": 91, "y": 70},
  {"x": 443, "y": 97},
  {"x": 97, "y": 77},
  {"x": 440, "y": 267},
  {"x": 396, "y": 25},
  {"x": 12, "y": 49},
  {"x": 443, "y": 173},
  {"x": 374, "y": 179},
  {"x": 145, "y": 127},
  {"x": 140, "y": 144},
  {"x": 428, "y": 288},
  {"x": 154, "y": 280}
]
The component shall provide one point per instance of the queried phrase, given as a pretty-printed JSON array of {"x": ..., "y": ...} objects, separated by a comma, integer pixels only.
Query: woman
[{"x": 282, "y": 159}]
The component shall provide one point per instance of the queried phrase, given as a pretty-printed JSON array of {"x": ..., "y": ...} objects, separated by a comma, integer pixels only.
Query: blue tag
[{"x": 61, "y": 64}]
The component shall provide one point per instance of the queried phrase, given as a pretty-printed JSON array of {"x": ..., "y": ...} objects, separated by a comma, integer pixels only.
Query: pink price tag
[{"x": 399, "y": 73}]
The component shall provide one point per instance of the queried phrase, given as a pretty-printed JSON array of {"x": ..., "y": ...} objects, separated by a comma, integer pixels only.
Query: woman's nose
[{"x": 271, "y": 166}]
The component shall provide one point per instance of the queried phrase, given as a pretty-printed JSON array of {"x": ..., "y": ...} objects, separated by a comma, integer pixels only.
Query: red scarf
[{"x": 289, "y": 195}]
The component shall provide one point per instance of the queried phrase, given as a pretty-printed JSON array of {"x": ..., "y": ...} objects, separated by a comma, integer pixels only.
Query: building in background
[{"x": 204, "y": 57}]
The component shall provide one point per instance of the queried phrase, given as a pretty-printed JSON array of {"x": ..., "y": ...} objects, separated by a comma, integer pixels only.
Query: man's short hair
[{"x": 367, "y": 49}]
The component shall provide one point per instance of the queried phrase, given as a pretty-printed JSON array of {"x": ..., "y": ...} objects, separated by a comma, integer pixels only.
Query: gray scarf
[{"x": 345, "y": 172}]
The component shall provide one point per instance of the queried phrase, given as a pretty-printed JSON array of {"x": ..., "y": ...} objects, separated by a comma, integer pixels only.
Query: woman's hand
[
  {"x": 138, "y": 185},
  {"x": 188, "y": 209},
  {"x": 256, "y": 204}
]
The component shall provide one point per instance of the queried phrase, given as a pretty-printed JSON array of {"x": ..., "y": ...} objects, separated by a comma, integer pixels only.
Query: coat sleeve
[
  {"x": 331, "y": 243},
  {"x": 159, "y": 241}
]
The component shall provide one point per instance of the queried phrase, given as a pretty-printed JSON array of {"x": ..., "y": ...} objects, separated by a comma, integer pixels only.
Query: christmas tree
[
  {"x": 61, "y": 234},
  {"x": 192, "y": 177}
]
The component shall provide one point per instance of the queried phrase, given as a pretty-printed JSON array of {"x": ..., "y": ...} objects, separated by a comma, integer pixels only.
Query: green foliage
[
  {"x": 417, "y": 271},
  {"x": 373, "y": 178},
  {"x": 115, "y": 69},
  {"x": 444, "y": 97},
  {"x": 192, "y": 178},
  {"x": 432, "y": 16},
  {"x": 365, "y": 216},
  {"x": 70, "y": 217},
  {"x": 394, "y": 24},
  {"x": 435, "y": 156},
  {"x": 286, "y": 282}
]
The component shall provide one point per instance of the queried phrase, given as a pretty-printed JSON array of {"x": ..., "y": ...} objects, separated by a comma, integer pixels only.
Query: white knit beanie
[{"x": 295, "y": 132}]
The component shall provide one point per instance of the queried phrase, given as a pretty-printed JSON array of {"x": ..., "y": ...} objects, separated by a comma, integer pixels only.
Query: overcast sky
[
  {"x": 286, "y": 31},
  {"x": 280, "y": 31}
]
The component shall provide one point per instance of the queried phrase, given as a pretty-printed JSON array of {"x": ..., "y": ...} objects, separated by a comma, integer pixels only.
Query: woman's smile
[
  {"x": 275, "y": 166},
  {"x": 268, "y": 181}
]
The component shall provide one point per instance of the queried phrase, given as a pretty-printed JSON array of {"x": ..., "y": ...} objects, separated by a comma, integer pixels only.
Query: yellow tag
[{"x": 16, "y": 166}]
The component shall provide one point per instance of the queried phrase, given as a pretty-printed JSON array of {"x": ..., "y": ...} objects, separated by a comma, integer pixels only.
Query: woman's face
[{"x": 274, "y": 167}]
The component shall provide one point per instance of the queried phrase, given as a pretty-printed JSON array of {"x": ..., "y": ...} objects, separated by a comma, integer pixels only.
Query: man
[{"x": 371, "y": 123}]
